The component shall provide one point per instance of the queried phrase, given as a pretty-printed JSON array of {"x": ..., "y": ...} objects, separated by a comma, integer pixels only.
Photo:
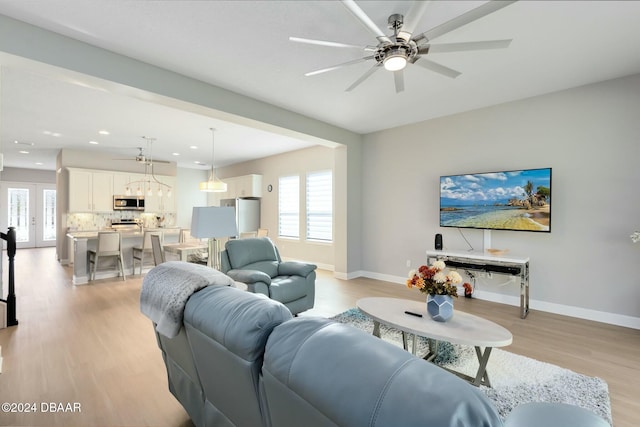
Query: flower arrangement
[
  {"x": 635, "y": 236},
  {"x": 433, "y": 280}
]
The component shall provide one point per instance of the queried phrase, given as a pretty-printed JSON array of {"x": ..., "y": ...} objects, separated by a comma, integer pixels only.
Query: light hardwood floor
[{"x": 91, "y": 345}]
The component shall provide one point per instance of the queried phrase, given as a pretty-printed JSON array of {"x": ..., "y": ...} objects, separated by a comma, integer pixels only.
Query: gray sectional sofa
[{"x": 241, "y": 359}]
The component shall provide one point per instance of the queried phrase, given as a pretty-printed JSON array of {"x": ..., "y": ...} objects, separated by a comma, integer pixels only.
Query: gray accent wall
[{"x": 587, "y": 266}]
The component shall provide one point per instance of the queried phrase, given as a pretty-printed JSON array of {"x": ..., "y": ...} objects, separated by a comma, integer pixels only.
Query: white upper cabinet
[
  {"x": 90, "y": 191},
  {"x": 93, "y": 190},
  {"x": 243, "y": 186}
]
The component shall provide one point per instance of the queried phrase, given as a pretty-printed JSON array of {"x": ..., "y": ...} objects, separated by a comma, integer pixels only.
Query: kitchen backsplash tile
[{"x": 97, "y": 221}]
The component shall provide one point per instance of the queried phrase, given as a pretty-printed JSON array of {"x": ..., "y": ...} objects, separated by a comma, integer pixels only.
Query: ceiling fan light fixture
[{"x": 395, "y": 60}]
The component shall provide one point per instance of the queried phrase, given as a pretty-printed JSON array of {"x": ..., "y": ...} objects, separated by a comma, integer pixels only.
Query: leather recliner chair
[{"x": 256, "y": 262}]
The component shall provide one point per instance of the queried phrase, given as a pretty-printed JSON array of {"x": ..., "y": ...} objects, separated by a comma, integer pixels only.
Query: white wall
[
  {"x": 588, "y": 135},
  {"x": 271, "y": 168},
  {"x": 188, "y": 194},
  {"x": 28, "y": 175}
]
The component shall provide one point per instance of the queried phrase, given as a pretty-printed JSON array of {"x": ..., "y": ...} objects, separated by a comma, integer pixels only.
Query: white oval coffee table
[{"x": 463, "y": 328}]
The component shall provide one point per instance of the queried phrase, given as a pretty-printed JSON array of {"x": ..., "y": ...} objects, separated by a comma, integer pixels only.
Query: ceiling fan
[
  {"x": 144, "y": 159},
  {"x": 394, "y": 52}
]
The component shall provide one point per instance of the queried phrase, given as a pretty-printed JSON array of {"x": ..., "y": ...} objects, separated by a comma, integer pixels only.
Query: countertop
[{"x": 93, "y": 234}]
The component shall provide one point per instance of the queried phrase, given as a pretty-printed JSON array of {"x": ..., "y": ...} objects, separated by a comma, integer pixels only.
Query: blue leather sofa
[
  {"x": 256, "y": 262},
  {"x": 241, "y": 359}
]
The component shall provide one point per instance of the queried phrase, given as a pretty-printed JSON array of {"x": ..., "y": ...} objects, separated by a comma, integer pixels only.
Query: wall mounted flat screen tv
[{"x": 508, "y": 200}]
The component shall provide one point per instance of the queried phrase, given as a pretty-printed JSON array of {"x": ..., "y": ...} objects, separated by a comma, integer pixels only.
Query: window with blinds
[
  {"x": 289, "y": 206},
  {"x": 320, "y": 206}
]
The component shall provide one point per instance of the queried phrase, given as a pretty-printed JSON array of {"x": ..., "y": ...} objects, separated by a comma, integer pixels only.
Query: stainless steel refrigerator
[{"x": 247, "y": 213}]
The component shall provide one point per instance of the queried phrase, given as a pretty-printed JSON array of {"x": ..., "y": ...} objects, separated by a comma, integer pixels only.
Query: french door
[{"x": 31, "y": 209}]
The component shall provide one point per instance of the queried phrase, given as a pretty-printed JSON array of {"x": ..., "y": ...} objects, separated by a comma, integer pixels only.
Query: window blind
[{"x": 320, "y": 206}]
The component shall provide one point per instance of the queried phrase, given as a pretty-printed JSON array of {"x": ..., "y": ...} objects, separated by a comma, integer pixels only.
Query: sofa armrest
[
  {"x": 294, "y": 268},
  {"x": 249, "y": 276}
]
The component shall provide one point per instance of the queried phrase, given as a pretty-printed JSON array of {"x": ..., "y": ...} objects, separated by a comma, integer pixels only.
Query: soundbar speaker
[{"x": 438, "y": 244}]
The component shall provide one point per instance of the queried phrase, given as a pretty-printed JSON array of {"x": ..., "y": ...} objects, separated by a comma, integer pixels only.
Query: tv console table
[{"x": 481, "y": 261}]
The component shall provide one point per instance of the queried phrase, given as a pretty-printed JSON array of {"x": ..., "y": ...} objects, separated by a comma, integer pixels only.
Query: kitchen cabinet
[
  {"x": 122, "y": 180},
  {"x": 90, "y": 191},
  {"x": 243, "y": 186}
]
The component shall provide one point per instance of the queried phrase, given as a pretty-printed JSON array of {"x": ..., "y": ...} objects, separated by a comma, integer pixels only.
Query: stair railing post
[{"x": 11, "y": 296}]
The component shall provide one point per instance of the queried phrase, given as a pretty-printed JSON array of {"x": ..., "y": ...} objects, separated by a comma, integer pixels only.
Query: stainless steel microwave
[{"x": 128, "y": 203}]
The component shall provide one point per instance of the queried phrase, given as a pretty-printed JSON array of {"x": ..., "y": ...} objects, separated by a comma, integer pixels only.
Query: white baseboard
[
  {"x": 348, "y": 276},
  {"x": 565, "y": 310}
]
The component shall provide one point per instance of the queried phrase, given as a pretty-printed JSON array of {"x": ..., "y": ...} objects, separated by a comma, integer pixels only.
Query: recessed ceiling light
[
  {"x": 23, "y": 152},
  {"x": 198, "y": 162},
  {"x": 94, "y": 142},
  {"x": 48, "y": 132},
  {"x": 175, "y": 154},
  {"x": 194, "y": 147},
  {"x": 39, "y": 163},
  {"x": 103, "y": 132}
]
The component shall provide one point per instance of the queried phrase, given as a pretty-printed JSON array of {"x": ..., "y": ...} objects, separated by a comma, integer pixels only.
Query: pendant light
[
  {"x": 145, "y": 185},
  {"x": 213, "y": 184}
]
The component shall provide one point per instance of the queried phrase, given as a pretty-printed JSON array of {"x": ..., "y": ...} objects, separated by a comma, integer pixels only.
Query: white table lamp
[{"x": 211, "y": 223}]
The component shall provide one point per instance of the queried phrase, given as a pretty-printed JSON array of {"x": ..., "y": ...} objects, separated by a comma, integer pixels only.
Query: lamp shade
[
  {"x": 213, "y": 222},
  {"x": 213, "y": 185}
]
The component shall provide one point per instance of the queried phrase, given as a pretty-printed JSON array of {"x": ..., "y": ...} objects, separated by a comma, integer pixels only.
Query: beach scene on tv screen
[{"x": 513, "y": 200}]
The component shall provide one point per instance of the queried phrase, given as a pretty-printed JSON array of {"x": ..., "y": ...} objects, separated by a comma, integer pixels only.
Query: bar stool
[
  {"x": 109, "y": 245},
  {"x": 139, "y": 252}
]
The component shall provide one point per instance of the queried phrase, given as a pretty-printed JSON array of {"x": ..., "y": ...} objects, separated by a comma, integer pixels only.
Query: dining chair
[
  {"x": 139, "y": 252},
  {"x": 156, "y": 248},
  {"x": 109, "y": 246}
]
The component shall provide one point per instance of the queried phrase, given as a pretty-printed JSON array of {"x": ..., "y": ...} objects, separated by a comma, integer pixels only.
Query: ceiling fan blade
[
  {"x": 365, "y": 20},
  {"x": 465, "y": 18},
  {"x": 437, "y": 68},
  {"x": 363, "y": 77},
  {"x": 398, "y": 77},
  {"x": 412, "y": 19},
  {"x": 335, "y": 67},
  {"x": 330, "y": 44},
  {"x": 460, "y": 47}
]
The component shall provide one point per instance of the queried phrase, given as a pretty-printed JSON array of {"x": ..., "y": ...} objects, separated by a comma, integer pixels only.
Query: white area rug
[{"x": 514, "y": 379}]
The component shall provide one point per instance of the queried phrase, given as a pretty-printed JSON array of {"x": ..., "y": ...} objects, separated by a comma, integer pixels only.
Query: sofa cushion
[
  {"x": 248, "y": 251},
  {"x": 239, "y": 320},
  {"x": 227, "y": 330},
  {"x": 318, "y": 373},
  {"x": 288, "y": 288},
  {"x": 268, "y": 267}
]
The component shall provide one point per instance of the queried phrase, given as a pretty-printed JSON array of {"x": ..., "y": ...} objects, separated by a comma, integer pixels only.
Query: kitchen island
[{"x": 82, "y": 241}]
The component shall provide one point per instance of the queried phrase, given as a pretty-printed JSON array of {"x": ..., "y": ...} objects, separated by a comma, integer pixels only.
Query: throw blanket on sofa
[{"x": 167, "y": 287}]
